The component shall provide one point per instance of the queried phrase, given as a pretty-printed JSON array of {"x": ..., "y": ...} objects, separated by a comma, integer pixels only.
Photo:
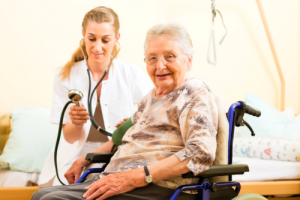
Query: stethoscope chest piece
[{"x": 75, "y": 96}]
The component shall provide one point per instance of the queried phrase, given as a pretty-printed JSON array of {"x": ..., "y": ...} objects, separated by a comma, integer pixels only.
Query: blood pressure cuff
[{"x": 120, "y": 132}]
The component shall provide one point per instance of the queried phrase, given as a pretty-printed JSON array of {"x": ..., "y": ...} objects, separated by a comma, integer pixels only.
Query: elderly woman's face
[{"x": 165, "y": 75}]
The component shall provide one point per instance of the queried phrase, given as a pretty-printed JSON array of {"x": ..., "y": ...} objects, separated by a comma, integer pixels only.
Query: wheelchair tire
[{"x": 250, "y": 196}]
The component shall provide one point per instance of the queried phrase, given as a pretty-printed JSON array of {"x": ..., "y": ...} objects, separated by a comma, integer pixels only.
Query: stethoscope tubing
[
  {"x": 101, "y": 130},
  {"x": 90, "y": 96},
  {"x": 58, "y": 138}
]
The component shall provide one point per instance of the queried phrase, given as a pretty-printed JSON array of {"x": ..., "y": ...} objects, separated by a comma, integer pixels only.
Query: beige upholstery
[
  {"x": 222, "y": 137},
  {"x": 5, "y": 123}
]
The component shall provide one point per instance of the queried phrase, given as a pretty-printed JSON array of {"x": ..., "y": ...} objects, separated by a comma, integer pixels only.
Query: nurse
[{"x": 124, "y": 85}]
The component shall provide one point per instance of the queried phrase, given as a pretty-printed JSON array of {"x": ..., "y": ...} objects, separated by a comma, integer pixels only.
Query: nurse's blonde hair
[
  {"x": 175, "y": 32},
  {"x": 99, "y": 14}
]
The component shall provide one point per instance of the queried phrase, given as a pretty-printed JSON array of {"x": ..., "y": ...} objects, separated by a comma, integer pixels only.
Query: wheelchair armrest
[
  {"x": 99, "y": 157},
  {"x": 220, "y": 170}
]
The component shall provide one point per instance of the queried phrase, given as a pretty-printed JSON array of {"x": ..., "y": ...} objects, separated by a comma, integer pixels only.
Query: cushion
[
  {"x": 5, "y": 124},
  {"x": 272, "y": 123},
  {"x": 223, "y": 132},
  {"x": 222, "y": 138},
  {"x": 265, "y": 148},
  {"x": 31, "y": 139},
  {"x": 289, "y": 112}
]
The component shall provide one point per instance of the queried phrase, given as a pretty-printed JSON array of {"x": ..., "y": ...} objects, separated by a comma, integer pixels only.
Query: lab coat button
[{"x": 105, "y": 104}]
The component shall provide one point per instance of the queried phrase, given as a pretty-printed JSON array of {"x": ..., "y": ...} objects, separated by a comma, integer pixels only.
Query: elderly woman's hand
[{"x": 114, "y": 184}]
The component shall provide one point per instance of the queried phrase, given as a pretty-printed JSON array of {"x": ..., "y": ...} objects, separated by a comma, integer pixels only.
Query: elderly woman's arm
[
  {"x": 119, "y": 183},
  {"x": 168, "y": 168}
]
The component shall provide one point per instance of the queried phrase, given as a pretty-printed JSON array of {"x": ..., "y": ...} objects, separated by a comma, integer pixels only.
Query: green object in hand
[{"x": 120, "y": 132}]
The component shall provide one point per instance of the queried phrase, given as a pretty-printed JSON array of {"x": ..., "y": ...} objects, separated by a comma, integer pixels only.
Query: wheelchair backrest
[{"x": 222, "y": 137}]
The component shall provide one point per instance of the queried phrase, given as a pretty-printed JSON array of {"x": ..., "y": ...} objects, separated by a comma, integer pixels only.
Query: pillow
[
  {"x": 293, "y": 130},
  {"x": 265, "y": 148},
  {"x": 289, "y": 112},
  {"x": 31, "y": 139},
  {"x": 272, "y": 123}
]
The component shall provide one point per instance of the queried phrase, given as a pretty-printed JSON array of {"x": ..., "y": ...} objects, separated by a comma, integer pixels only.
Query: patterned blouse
[{"x": 183, "y": 123}]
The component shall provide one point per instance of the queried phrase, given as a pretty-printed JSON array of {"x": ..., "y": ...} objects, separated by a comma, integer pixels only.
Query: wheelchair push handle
[{"x": 250, "y": 110}]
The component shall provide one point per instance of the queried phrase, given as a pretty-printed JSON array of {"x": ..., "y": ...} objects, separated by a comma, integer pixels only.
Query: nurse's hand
[
  {"x": 74, "y": 172},
  {"x": 121, "y": 122},
  {"x": 78, "y": 115}
]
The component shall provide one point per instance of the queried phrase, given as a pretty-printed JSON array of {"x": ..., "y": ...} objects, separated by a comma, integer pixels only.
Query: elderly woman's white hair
[{"x": 175, "y": 32}]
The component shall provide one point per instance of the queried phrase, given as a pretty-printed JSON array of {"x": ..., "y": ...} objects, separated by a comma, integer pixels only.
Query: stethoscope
[
  {"x": 75, "y": 96},
  {"x": 98, "y": 128}
]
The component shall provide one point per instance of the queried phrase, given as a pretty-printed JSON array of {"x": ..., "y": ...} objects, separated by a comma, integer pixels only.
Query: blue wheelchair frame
[{"x": 204, "y": 186}]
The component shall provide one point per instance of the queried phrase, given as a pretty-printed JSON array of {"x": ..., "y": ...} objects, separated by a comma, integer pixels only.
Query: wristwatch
[{"x": 148, "y": 177}]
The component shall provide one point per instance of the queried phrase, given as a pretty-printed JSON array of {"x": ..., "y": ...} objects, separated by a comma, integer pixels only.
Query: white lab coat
[{"x": 126, "y": 85}]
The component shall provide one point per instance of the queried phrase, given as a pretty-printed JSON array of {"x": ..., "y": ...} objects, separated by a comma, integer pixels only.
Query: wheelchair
[{"x": 215, "y": 183}]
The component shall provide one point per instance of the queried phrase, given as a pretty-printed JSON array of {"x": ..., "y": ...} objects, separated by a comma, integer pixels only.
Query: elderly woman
[{"x": 174, "y": 131}]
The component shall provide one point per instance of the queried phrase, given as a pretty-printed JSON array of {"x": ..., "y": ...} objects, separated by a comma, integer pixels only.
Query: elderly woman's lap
[{"x": 76, "y": 191}]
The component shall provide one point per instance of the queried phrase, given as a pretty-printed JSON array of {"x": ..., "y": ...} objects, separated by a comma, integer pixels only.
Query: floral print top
[{"x": 183, "y": 123}]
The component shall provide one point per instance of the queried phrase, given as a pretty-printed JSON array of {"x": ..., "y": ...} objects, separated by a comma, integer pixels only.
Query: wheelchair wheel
[{"x": 250, "y": 196}]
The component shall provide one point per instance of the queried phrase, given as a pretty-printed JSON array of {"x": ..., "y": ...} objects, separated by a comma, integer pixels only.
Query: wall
[
  {"x": 298, "y": 55},
  {"x": 39, "y": 36}
]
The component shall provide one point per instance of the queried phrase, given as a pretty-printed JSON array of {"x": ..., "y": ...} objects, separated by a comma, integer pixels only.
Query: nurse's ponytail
[{"x": 99, "y": 15}]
